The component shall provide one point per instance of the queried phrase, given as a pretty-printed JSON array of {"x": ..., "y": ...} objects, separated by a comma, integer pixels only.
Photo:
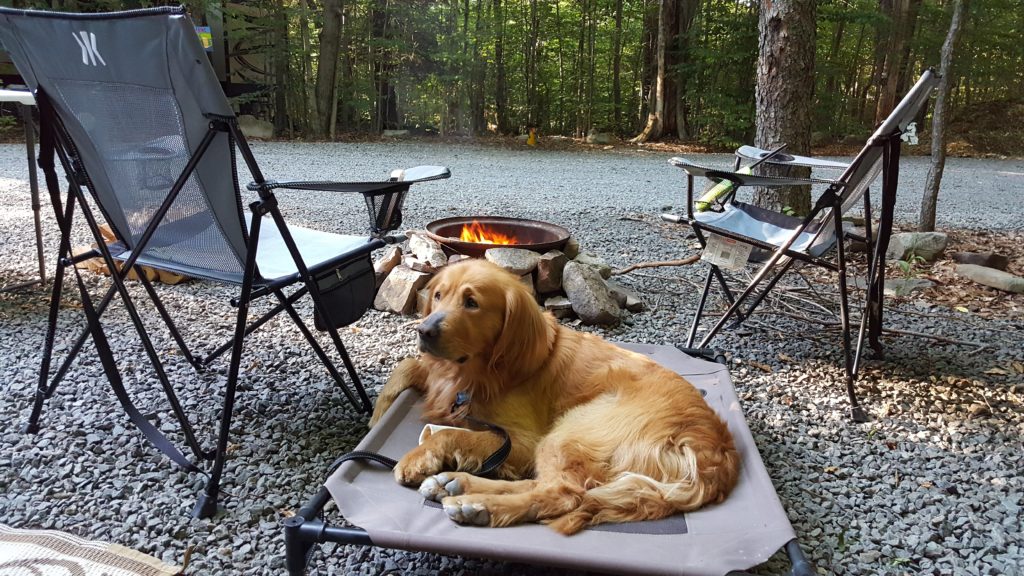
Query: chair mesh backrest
[
  {"x": 132, "y": 90},
  {"x": 868, "y": 163}
]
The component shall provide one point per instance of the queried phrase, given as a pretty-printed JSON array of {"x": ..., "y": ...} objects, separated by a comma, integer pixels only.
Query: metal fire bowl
[{"x": 529, "y": 234}]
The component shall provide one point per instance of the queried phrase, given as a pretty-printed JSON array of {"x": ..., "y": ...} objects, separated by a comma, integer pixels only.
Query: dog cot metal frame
[
  {"x": 383, "y": 199},
  {"x": 308, "y": 528}
]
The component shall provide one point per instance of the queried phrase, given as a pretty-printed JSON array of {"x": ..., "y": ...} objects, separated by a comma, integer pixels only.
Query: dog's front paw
[
  {"x": 415, "y": 466},
  {"x": 441, "y": 486},
  {"x": 466, "y": 512}
]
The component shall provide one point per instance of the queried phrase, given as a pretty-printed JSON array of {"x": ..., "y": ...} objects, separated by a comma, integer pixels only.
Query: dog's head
[{"x": 481, "y": 315}]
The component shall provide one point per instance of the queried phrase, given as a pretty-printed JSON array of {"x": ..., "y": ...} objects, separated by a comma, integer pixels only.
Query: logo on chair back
[{"x": 87, "y": 42}]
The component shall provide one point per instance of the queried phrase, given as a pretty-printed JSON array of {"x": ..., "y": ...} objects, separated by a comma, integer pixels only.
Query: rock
[
  {"x": 904, "y": 286},
  {"x": 560, "y": 306},
  {"x": 395, "y": 133},
  {"x": 527, "y": 280},
  {"x": 927, "y": 245},
  {"x": 398, "y": 292},
  {"x": 986, "y": 259},
  {"x": 422, "y": 298},
  {"x": 589, "y": 295},
  {"x": 549, "y": 271},
  {"x": 410, "y": 261},
  {"x": 618, "y": 292},
  {"x": 625, "y": 297},
  {"x": 571, "y": 248},
  {"x": 869, "y": 557},
  {"x": 457, "y": 258},
  {"x": 595, "y": 262},
  {"x": 427, "y": 250},
  {"x": 253, "y": 127},
  {"x": 382, "y": 267},
  {"x": 516, "y": 260},
  {"x": 596, "y": 137},
  {"x": 991, "y": 277}
]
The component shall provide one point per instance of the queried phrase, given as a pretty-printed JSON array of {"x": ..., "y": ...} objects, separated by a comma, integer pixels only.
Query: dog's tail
[{"x": 707, "y": 476}]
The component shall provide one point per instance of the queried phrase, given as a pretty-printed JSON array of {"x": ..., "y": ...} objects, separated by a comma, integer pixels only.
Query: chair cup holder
[{"x": 385, "y": 210}]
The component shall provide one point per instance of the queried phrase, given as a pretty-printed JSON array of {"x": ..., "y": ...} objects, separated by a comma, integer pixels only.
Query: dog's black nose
[{"x": 430, "y": 327}]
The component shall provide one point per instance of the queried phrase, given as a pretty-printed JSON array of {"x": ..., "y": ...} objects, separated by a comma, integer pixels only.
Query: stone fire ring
[{"x": 529, "y": 234}]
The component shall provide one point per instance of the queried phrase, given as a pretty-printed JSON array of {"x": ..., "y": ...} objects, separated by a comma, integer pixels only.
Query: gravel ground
[{"x": 931, "y": 484}]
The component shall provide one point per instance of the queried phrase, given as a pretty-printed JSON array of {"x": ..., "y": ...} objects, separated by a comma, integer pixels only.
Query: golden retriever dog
[{"x": 599, "y": 433}]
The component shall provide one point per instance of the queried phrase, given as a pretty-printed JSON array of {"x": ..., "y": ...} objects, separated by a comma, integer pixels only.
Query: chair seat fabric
[
  {"x": 272, "y": 258},
  {"x": 274, "y": 261},
  {"x": 767, "y": 226}
]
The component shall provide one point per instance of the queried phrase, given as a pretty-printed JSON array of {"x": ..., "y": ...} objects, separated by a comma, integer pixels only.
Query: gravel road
[{"x": 931, "y": 484}]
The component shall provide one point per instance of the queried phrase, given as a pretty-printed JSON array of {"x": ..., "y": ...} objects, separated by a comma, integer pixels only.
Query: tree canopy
[{"x": 321, "y": 67}]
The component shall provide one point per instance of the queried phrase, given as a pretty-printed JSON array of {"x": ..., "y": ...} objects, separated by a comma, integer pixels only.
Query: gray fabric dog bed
[{"x": 744, "y": 531}]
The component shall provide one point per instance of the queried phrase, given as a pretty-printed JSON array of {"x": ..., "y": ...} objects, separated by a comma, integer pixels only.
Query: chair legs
[
  {"x": 856, "y": 411},
  {"x": 850, "y": 359},
  {"x": 285, "y": 303},
  {"x": 363, "y": 403},
  {"x": 206, "y": 505}
]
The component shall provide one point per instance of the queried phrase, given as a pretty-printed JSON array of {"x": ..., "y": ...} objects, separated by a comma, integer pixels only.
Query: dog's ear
[{"x": 523, "y": 341}]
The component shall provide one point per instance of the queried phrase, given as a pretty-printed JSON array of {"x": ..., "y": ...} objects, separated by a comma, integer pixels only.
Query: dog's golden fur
[{"x": 599, "y": 434}]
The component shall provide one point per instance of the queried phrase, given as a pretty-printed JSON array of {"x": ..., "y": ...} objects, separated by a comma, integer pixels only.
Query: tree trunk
[
  {"x": 327, "y": 67},
  {"x": 661, "y": 116},
  {"x": 617, "y": 70},
  {"x": 687, "y": 13},
  {"x": 783, "y": 96},
  {"x": 939, "y": 120},
  {"x": 280, "y": 69},
  {"x": 648, "y": 63},
  {"x": 896, "y": 48},
  {"x": 309, "y": 120},
  {"x": 500, "y": 90},
  {"x": 477, "y": 122},
  {"x": 578, "y": 72},
  {"x": 383, "y": 66}
]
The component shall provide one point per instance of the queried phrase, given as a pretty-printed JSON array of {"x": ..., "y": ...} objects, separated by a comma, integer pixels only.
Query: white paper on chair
[{"x": 726, "y": 252}]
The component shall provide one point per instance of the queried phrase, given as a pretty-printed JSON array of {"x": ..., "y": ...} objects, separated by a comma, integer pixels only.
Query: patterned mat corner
[{"x": 45, "y": 552}]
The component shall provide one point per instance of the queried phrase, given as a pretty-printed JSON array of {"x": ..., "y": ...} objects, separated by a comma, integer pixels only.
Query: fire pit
[{"x": 473, "y": 236}]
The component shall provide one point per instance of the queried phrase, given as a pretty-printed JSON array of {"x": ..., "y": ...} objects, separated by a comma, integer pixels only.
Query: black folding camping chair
[
  {"x": 130, "y": 106},
  {"x": 734, "y": 228}
]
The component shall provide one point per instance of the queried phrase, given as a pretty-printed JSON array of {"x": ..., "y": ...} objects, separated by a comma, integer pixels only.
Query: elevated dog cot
[{"x": 744, "y": 531}]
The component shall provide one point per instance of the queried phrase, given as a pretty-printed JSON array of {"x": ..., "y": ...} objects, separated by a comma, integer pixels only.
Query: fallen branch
[
  {"x": 979, "y": 345},
  {"x": 684, "y": 262}
]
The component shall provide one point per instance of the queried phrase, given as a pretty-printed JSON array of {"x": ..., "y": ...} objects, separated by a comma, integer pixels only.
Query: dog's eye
[
  {"x": 471, "y": 303},
  {"x": 437, "y": 295}
]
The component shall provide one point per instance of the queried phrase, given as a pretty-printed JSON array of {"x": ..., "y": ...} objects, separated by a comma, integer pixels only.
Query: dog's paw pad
[
  {"x": 439, "y": 487},
  {"x": 473, "y": 513}
]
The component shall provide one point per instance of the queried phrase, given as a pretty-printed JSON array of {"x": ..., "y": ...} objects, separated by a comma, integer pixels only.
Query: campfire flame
[{"x": 480, "y": 234}]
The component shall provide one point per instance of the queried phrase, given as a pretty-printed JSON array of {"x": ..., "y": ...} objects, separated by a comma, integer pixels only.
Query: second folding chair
[{"x": 732, "y": 230}]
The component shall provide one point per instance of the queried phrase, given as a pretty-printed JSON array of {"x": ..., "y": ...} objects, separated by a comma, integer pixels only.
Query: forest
[{"x": 323, "y": 68}]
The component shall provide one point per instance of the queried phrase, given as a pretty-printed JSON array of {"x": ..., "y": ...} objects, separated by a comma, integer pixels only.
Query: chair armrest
[
  {"x": 420, "y": 174},
  {"x": 783, "y": 159},
  {"x": 739, "y": 179},
  {"x": 398, "y": 180},
  {"x": 364, "y": 188}
]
